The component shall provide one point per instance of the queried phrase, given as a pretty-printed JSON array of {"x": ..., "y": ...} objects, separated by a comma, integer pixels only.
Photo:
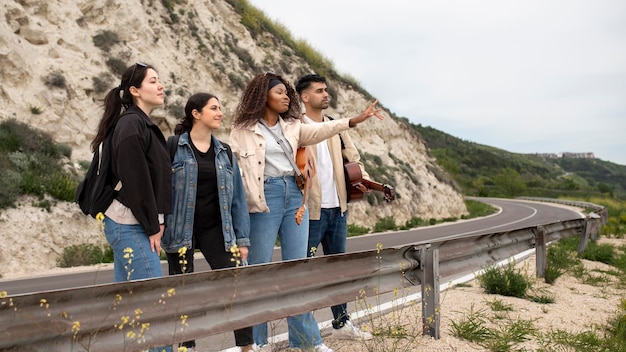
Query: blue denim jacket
[{"x": 235, "y": 218}]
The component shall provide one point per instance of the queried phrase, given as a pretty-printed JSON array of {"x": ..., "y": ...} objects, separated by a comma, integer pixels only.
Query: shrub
[
  {"x": 61, "y": 186},
  {"x": 35, "y": 110},
  {"x": 356, "y": 230},
  {"x": 55, "y": 79},
  {"x": 505, "y": 281},
  {"x": 103, "y": 83},
  {"x": 117, "y": 66},
  {"x": 561, "y": 257},
  {"x": 8, "y": 191},
  {"x": 413, "y": 223},
  {"x": 386, "y": 223},
  {"x": 31, "y": 164},
  {"x": 105, "y": 40},
  {"x": 81, "y": 254},
  {"x": 604, "y": 253}
]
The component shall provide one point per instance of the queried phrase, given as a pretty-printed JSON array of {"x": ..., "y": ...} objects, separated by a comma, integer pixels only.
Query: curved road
[{"x": 514, "y": 214}]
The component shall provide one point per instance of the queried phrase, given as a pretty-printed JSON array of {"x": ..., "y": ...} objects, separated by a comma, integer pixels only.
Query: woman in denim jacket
[{"x": 209, "y": 210}]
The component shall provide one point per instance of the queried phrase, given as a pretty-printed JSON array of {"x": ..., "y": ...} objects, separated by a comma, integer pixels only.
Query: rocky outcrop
[{"x": 198, "y": 46}]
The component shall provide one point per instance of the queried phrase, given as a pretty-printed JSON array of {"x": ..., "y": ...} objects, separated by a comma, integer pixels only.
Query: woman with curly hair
[{"x": 267, "y": 116}]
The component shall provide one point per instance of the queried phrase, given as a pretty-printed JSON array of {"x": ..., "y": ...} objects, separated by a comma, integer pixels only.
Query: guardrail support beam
[
  {"x": 431, "y": 318},
  {"x": 584, "y": 236},
  {"x": 540, "y": 251}
]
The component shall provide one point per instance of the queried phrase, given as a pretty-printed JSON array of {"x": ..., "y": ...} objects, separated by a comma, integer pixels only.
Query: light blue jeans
[
  {"x": 144, "y": 264},
  {"x": 283, "y": 197}
]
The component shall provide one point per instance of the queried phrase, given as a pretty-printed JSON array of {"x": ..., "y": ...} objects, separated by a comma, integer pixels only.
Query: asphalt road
[{"x": 514, "y": 214}]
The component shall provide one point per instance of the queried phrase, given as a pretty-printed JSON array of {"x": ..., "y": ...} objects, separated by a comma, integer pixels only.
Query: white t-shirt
[
  {"x": 330, "y": 198},
  {"x": 276, "y": 162}
]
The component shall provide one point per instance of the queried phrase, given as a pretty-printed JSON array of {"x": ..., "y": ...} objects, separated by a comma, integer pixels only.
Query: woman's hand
[
  {"x": 155, "y": 240},
  {"x": 369, "y": 112},
  {"x": 243, "y": 252}
]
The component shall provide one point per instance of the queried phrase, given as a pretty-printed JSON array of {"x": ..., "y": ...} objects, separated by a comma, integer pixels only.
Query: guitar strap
[
  {"x": 286, "y": 148},
  {"x": 343, "y": 145}
]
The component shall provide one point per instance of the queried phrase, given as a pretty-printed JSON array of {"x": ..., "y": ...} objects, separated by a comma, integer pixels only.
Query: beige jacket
[
  {"x": 336, "y": 155},
  {"x": 248, "y": 144}
]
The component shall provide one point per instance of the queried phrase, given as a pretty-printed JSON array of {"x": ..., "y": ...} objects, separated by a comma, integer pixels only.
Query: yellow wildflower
[
  {"x": 3, "y": 294},
  {"x": 75, "y": 327}
]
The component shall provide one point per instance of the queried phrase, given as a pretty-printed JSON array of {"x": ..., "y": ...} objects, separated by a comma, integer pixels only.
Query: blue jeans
[
  {"x": 283, "y": 197},
  {"x": 144, "y": 264},
  {"x": 331, "y": 231}
]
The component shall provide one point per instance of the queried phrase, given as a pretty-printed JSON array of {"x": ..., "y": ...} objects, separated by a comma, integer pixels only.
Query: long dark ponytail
[{"x": 118, "y": 100}]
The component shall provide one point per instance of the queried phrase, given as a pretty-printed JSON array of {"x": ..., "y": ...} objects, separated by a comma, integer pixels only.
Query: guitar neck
[{"x": 373, "y": 185}]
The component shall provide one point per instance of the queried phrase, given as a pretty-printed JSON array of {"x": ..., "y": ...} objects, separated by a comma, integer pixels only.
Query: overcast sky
[{"x": 524, "y": 76}]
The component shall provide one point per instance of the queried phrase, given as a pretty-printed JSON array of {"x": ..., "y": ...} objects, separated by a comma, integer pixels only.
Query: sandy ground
[{"x": 577, "y": 307}]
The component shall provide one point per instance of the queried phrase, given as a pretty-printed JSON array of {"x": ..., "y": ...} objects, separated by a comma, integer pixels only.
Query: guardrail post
[
  {"x": 540, "y": 251},
  {"x": 584, "y": 236},
  {"x": 430, "y": 292}
]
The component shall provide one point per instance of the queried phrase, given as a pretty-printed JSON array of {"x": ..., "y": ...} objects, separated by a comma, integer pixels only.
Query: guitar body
[{"x": 353, "y": 176}]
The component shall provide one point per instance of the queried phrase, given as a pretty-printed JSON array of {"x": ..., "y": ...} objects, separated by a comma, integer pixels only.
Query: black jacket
[{"x": 142, "y": 163}]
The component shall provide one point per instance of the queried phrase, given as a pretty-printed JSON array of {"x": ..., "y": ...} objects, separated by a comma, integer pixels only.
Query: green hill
[{"x": 482, "y": 170}]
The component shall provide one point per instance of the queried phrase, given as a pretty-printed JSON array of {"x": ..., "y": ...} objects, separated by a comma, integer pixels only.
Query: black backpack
[{"x": 96, "y": 192}]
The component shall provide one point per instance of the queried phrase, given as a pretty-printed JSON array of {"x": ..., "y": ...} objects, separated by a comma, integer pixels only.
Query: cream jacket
[
  {"x": 336, "y": 155},
  {"x": 248, "y": 144}
]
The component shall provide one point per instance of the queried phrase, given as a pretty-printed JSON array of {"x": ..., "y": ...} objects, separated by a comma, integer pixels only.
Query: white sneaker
[
  {"x": 350, "y": 332},
  {"x": 322, "y": 348},
  {"x": 265, "y": 348}
]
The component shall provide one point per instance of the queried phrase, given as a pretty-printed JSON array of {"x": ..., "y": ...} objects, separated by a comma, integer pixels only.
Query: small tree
[{"x": 509, "y": 183}]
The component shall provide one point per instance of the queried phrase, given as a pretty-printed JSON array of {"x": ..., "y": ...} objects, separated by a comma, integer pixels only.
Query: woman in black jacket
[{"x": 134, "y": 222}]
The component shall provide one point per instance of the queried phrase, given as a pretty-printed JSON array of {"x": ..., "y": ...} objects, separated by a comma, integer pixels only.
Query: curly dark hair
[{"x": 253, "y": 101}]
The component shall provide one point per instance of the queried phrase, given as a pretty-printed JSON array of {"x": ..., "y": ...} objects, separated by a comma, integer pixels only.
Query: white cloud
[{"x": 525, "y": 76}]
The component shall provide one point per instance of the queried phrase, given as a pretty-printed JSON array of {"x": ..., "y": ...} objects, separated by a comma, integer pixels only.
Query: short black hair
[{"x": 305, "y": 81}]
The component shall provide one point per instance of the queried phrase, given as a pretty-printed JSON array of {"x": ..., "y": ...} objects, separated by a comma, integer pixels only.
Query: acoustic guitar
[{"x": 354, "y": 177}]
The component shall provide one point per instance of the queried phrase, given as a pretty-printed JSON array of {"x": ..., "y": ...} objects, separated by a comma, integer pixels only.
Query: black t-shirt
[{"x": 207, "y": 213}]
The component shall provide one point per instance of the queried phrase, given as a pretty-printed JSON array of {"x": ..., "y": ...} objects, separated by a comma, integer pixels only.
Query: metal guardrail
[
  {"x": 154, "y": 312},
  {"x": 597, "y": 209}
]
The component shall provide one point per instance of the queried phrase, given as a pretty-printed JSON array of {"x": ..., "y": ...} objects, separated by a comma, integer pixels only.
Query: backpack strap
[
  {"x": 343, "y": 145},
  {"x": 172, "y": 145},
  {"x": 229, "y": 151}
]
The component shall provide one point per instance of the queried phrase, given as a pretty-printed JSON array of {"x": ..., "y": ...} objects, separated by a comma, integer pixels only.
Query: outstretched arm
[{"x": 371, "y": 110}]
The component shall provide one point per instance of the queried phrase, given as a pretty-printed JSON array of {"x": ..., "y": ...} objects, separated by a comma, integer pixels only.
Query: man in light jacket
[{"x": 327, "y": 200}]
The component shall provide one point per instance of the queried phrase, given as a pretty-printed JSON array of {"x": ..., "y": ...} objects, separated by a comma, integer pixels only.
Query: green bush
[
  {"x": 561, "y": 256},
  {"x": 505, "y": 281},
  {"x": 35, "y": 110},
  {"x": 55, "y": 79},
  {"x": 117, "y": 66},
  {"x": 604, "y": 253},
  {"x": 356, "y": 230},
  {"x": 103, "y": 83},
  {"x": 105, "y": 40},
  {"x": 8, "y": 192},
  {"x": 385, "y": 224},
  {"x": 79, "y": 255},
  {"x": 31, "y": 163},
  {"x": 61, "y": 186}
]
